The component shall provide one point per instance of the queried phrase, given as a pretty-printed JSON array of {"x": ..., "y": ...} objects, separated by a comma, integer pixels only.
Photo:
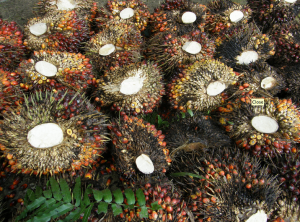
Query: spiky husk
[
  {"x": 10, "y": 90},
  {"x": 250, "y": 82},
  {"x": 109, "y": 85},
  {"x": 237, "y": 122},
  {"x": 189, "y": 89},
  {"x": 197, "y": 132},
  {"x": 166, "y": 195},
  {"x": 132, "y": 137},
  {"x": 218, "y": 16},
  {"x": 66, "y": 31},
  {"x": 12, "y": 50},
  {"x": 168, "y": 17},
  {"x": 73, "y": 71},
  {"x": 267, "y": 13},
  {"x": 166, "y": 49},
  {"x": 287, "y": 41},
  {"x": 127, "y": 40},
  {"x": 83, "y": 136},
  {"x": 50, "y": 6},
  {"x": 111, "y": 11},
  {"x": 292, "y": 75},
  {"x": 287, "y": 210},
  {"x": 232, "y": 186},
  {"x": 287, "y": 167},
  {"x": 246, "y": 40}
]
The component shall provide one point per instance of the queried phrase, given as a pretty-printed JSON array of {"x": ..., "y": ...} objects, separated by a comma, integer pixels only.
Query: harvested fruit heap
[{"x": 149, "y": 73}]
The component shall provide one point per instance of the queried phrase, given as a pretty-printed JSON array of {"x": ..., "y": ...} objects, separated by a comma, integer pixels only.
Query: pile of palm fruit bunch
[{"x": 186, "y": 113}]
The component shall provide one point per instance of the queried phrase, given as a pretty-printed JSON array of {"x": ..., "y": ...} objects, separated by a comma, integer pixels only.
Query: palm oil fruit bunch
[
  {"x": 201, "y": 86},
  {"x": 195, "y": 133},
  {"x": 134, "y": 89},
  {"x": 12, "y": 49},
  {"x": 116, "y": 46},
  {"x": 287, "y": 41},
  {"x": 245, "y": 47},
  {"x": 292, "y": 75},
  {"x": 58, "y": 31},
  {"x": 267, "y": 13},
  {"x": 286, "y": 210},
  {"x": 180, "y": 17},
  {"x": 287, "y": 167},
  {"x": 138, "y": 147},
  {"x": 223, "y": 184},
  {"x": 266, "y": 129},
  {"x": 38, "y": 142},
  {"x": 128, "y": 11},
  {"x": 225, "y": 14},
  {"x": 10, "y": 90},
  {"x": 170, "y": 50},
  {"x": 46, "y": 68},
  {"x": 260, "y": 80}
]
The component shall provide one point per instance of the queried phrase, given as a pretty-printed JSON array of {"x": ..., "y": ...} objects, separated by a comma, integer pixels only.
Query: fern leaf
[
  {"x": 118, "y": 196},
  {"x": 77, "y": 191},
  {"x": 87, "y": 213},
  {"x": 65, "y": 190},
  {"x": 55, "y": 189}
]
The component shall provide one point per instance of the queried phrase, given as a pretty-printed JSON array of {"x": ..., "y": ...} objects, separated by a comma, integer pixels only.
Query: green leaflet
[
  {"x": 107, "y": 196},
  {"x": 117, "y": 209},
  {"x": 118, "y": 195},
  {"x": 55, "y": 189},
  {"x": 140, "y": 197},
  {"x": 77, "y": 191},
  {"x": 65, "y": 190},
  {"x": 87, "y": 213},
  {"x": 102, "y": 207},
  {"x": 130, "y": 196}
]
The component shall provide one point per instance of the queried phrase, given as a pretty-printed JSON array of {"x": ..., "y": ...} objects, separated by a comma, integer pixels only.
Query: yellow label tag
[{"x": 257, "y": 102}]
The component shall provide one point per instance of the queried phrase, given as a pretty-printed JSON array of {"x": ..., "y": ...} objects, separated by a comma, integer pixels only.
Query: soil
[{"x": 22, "y": 10}]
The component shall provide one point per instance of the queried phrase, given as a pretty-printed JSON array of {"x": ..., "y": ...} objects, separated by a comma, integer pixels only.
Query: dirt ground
[{"x": 22, "y": 10}]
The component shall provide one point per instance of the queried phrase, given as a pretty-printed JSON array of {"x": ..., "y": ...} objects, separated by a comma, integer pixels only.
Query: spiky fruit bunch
[
  {"x": 245, "y": 47},
  {"x": 116, "y": 46},
  {"x": 133, "y": 89},
  {"x": 292, "y": 75},
  {"x": 139, "y": 148},
  {"x": 61, "y": 31},
  {"x": 37, "y": 141},
  {"x": 260, "y": 80},
  {"x": 178, "y": 17},
  {"x": 10, "y": 91},
  {"x": 57, "y": 6},
  {"x": 171, "y": 50},
  {"x": 173, "y": 208},
  {"x": 12, "y": 49},
  {"x": 130, "y": 11},
  {"x": 287, "y": 40},
  {"x": 201, "y": 86},
  {"x": 224, "y": 184},
  {"x": 47, "y": 68},
  {"x": 224, "y": 14},
  {"x": 267, "y": 13},
  {"x": 286, "y": 210},
  {"x": 267, "y": 130},
  {"x": 287, "y": 167},
  {"x": 197, "y": 132}
]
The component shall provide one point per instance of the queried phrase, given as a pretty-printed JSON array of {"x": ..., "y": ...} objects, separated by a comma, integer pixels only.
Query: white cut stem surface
[
  {"x": 268, "y": 82},
  {"x": 236, "y": 16},
  {"x": 64, "y": 4},
  {"x": 38, "y": 29},
  {"x": 192, "y": 47},
  {"x": 247, "y": 57},
  {"x": 188, "y": 17},
  {"x": 45, "y": 135},
  {"x": 46, "y": 68},
  {"x": 215, "y": 88},
  {"x": 107, "y": 49},
  {"x": 260, "y": 216},
  {"x": 127, "y": 13},
  {"x": 144, "y": 164},
  {"x": 133, "y": 84},
  {"x": 264, "y": 124}
]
